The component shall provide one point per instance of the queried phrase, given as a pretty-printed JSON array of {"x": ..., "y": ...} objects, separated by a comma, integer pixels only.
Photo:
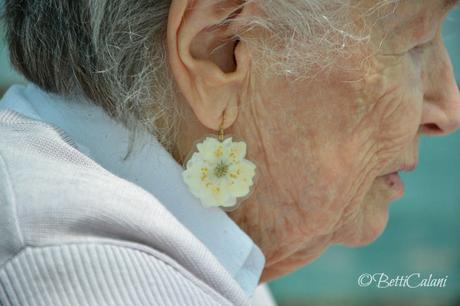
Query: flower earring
[{"x": 217, "y": 172}]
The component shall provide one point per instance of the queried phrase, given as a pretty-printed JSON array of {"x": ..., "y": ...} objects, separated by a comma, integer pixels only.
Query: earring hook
[{"x": 221, "y": 128}]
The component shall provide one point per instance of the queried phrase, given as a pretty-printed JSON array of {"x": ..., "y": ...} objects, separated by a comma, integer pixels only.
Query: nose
[{"x": 441, "y": 109}]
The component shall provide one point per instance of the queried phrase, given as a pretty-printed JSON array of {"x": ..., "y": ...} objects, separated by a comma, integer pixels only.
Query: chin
[
  {"x": 369, "y": 230},
  {"x": 369, "y": 222}
]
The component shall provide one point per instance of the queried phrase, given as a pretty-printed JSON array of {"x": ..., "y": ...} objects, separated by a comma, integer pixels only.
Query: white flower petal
[
  {"x": 231, "y": 201},
  {"x": 239, "y": 189},
  {"x": 196, "y": 158},
  {"x": 208, "y": 147},
  {"x": 215, "y": 195},
  {"x": 248, "y": 168},
  {"x": 227, "y": 141},
  {"x": 234, "y": 152}
]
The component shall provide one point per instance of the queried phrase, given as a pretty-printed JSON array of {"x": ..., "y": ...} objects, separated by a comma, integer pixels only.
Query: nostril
[{"x": 431, "y": 129}]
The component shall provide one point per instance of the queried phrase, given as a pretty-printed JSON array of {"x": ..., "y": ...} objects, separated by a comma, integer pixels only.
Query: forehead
[
  {"x": 404, "y": 10},
  {"x": 420, "y": 17},
  {"x": 417, "y": 16},
  {"x": 413, "y": 7},
  {"x": 396, "y": 24}
]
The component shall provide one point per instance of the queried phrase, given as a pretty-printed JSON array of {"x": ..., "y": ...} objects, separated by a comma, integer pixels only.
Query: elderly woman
[{"x": 182, "y": 152}]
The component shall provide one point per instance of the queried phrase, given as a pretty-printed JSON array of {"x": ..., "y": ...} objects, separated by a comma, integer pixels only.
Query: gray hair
[{"x": 114, "y": 51}]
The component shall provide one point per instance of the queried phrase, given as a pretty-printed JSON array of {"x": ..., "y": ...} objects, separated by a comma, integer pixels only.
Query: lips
[
  {"x": 402, "y": 168},
  {"x": 408, "y": 168},
  {"x": 394, "y": 181}
]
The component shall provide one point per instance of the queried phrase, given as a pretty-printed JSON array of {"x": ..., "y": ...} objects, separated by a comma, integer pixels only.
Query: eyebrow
[{"x": 449, "y": 4}]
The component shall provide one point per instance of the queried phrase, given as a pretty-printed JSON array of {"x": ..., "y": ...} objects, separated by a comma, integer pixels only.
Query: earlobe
[{"x": 208, "y": 66}]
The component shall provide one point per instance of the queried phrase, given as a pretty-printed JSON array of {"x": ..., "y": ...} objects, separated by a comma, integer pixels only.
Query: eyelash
[
  {"x": 420, "y": 48},
  {"x": 417, "y": 50}
]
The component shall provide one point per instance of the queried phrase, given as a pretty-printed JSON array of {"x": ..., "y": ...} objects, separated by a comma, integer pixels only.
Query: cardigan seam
[{"x": 11, "y": 197}]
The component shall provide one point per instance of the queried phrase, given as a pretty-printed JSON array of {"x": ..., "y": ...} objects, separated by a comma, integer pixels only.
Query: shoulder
[
  {"x": 40, "y": 164},
  {"x": 52, "y": 195},
  {"x": 49, "y": 191}
]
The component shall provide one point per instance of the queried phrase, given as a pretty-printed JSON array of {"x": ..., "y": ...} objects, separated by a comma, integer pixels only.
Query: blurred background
[{"x": 422, "y": 235}]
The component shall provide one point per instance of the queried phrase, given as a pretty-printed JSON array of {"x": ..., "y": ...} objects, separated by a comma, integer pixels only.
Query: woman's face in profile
[{"x": 328, "y": 148}]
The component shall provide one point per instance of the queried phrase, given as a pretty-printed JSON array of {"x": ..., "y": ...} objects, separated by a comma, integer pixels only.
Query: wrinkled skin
[{"x": 323, "y": 146}]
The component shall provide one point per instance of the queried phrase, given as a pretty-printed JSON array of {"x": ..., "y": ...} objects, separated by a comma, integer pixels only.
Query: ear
[{"x": 208, "y": 64}]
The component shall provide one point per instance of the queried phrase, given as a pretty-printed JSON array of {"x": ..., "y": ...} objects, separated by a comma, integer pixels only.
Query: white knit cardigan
[{"x": 73, "y": 233}]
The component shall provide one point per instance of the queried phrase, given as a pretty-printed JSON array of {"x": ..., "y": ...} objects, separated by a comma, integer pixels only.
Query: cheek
[
  {"x": 395, "y": 97},
  {"x": 399, "y": 119},
  {"x": 394, "y": 118}
]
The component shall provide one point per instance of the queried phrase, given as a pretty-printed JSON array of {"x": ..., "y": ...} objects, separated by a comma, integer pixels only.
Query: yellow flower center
[
  {"x": 204, "y": 173},
  {"x": 219, "y": 152},
  {"x": 221, "y": 169}
]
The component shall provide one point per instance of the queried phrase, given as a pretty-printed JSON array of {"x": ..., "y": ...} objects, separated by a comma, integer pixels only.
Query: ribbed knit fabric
[
  {"x": 99, "y": 274},
  {"x": 57, "y": 134},
  {"x": 72, "y": 233},
  {"x": 82, "y": 224}
]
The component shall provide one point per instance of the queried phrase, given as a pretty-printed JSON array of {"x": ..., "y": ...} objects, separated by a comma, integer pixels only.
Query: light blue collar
[{"x": 149, "y": 166}]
